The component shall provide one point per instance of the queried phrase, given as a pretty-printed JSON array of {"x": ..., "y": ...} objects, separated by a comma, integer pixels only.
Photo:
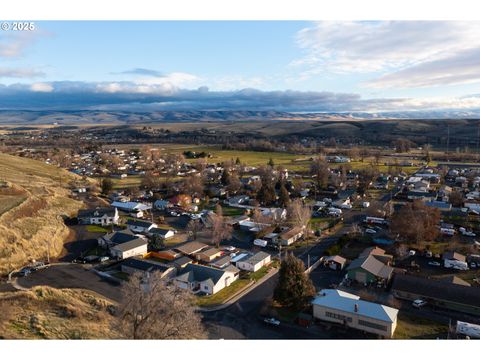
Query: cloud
[
  {"x": 41, "y": 87},
  {"x": 387, "y": 47},
  {"x": 141, "y": 71},
  {"x": 20, "y": 73},
  {"x": 13, "y": 44},
  {"x": 459, "y": 68},
  {"x": 67, "y": 95}
]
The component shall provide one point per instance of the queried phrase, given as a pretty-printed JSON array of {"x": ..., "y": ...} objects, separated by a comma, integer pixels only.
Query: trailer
[
  {"x": 375, "y": 220},
  {"x": 455, "y": 264},
  {"x": 468, "y": 329}
]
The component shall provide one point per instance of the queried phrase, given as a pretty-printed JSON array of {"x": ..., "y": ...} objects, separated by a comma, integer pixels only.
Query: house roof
[
  {"x": 129, "y": 245},
  {"x": 336, "y": 258},
  {"x": 343, "y": 301},
  {"x": 182, "y": 261},
  {"x": 140, "y": 223},
  {"x": 373, "y": 250},
  {"x": 131, "y": 205},
  {"x": 120, "y": 237},
  {"x": 200, "y": 273},
  {"x": 441, "y": 290},
  {"x": 453, "y": 255},
  {"x": 191, "y": 247},
  {"x": 372, "y": 265},
  {"x": 160, "y": 231},
  {"x": 97, "y": 212},
  {"x": 290, "y": 233},
  {"x": 145, "y": 265},
  {"x": 221, "y": 262},
  {"x": 255, "y": 258},
  {"x": 211, "y": 252}
]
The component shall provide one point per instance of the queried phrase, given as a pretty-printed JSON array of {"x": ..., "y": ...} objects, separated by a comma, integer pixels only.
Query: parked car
[
  {"x": 428, "y": 254},
  {"x": 272, "y": 321},
  {"x": 25, "y": 272},
  {"x": 434, "y": 263},
  {"x": 103, "y": 259},
  {"x": 370, "y": 231},
  {"x": 419, "y": 303},
  {"x": 473, "y": 265},
  {"x": 412, "y": 253}
]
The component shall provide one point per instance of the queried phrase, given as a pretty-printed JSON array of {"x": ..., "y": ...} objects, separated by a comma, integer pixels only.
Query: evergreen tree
[
  {"x": 271, "y": 163},
  {"x": 284, "y": 196},
  {"x": 294, "y": 289}
]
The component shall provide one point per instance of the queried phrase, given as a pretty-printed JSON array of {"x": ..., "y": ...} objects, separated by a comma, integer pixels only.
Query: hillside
[
  {"x": 33, "y": 199},
  {"x": 47, "y": 313}
]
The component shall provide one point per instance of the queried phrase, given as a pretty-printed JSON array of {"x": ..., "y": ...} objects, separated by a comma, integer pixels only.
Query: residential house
[
  {"x": 117, "y": 237},
  {"x": 130, "y": 248},
  {"x": 98, "y": 216},
  {"x": 254, "y": 262},
  {"x": 452, "y": 255},
  {"x": 133, "y": 265},
  {"x": 191, "y": 248},
  {"x": 140, "y": 226},
  {"x": 209, "y": 254},
  {"x": 134, "y": 208},
  {"x": 335, "y": 262},
  {"x": 438, "y": 293},
  {"x": 371, "y": 266},
  {"x": 290, "y": 236},
  {"x": 209, "y": 280},
  {"x": 349, "y": 310},
  {"x": 162, "y": 233}
]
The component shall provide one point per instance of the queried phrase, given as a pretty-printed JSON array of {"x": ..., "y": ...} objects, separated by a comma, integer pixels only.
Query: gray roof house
[{"x": 208, "y": 280}]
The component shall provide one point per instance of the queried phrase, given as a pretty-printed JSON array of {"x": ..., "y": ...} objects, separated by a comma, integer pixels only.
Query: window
[
  {"x": 338, "y": 316},
  {"x": 372, "y": 325}
]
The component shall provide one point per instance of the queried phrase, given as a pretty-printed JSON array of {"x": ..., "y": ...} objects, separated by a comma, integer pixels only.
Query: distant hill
[{"x": 84, "y": 117}]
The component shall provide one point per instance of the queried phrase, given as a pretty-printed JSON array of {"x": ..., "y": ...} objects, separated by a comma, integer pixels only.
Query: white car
[
  {"x": 271, "y": 321},
  {"x": 419, "y": 303},
  {"x": 370, "y": 231},
  {"x": 434, "y": 263}
]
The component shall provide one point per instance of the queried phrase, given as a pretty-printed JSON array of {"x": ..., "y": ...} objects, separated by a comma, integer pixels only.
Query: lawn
[
  {"x": 224, "y": 294},
  {"x": 97, "y": 229},
  {"x": 411, "y": 327},
  {"x": 232, "y": 211}
]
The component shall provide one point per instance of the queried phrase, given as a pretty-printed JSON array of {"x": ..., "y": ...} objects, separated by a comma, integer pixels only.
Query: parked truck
[{"x": 455, "y": 264}]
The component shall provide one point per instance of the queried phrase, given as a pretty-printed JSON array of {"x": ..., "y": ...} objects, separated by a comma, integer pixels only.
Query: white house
[
  {"x": 254, "y": 262},
  {"x": 209, "y": 280},
  {"x": 130, "y": 248},
  {"x": 140, "y": 226},
  {"x": 162, "y": 233},
  {"x": 99, "y": 216},
  {"x": 289, "y": 236},
  {"x": 347, "y": 309}
]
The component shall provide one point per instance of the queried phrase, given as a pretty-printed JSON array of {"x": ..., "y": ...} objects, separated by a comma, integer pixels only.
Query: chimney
[{"x": 355, "y": 308}]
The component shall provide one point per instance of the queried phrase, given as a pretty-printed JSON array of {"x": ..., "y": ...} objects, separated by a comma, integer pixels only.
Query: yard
[
  {"x": 411, "y": 327},
  {"x": 224, "y": 294},
  {"x": 97, "y": 229}
]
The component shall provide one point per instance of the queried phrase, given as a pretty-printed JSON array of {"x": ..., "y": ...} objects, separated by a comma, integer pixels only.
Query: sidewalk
[{"x": 240, "y": 294}]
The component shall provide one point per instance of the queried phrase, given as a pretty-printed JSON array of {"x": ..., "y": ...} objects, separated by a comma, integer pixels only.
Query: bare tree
[
  {"x": 151, "y": 309},
  {"x": 298, "y": 214},
  {"x": 219, "y": 229},
  {"x": 193, "y": 229},
  {"x": 319, "y": 169}
]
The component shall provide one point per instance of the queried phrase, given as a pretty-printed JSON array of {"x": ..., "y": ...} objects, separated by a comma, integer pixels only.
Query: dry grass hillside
[
  {"x": 48, "y": 313},
  {"x": 33, "y": 197}
]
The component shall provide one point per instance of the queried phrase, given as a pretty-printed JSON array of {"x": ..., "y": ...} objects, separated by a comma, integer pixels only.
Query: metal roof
[{"x": 343, "y": 301}]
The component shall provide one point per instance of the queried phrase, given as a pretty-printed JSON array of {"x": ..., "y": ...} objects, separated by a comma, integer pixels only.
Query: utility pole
[{"x": 448, "y": 141}]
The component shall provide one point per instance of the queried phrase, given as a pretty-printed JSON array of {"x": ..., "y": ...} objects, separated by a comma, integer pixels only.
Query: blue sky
[{"x": 292, "y": 65}]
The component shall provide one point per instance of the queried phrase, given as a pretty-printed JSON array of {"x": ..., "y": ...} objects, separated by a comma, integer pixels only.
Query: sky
[{"x": 371, "y": 66}]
